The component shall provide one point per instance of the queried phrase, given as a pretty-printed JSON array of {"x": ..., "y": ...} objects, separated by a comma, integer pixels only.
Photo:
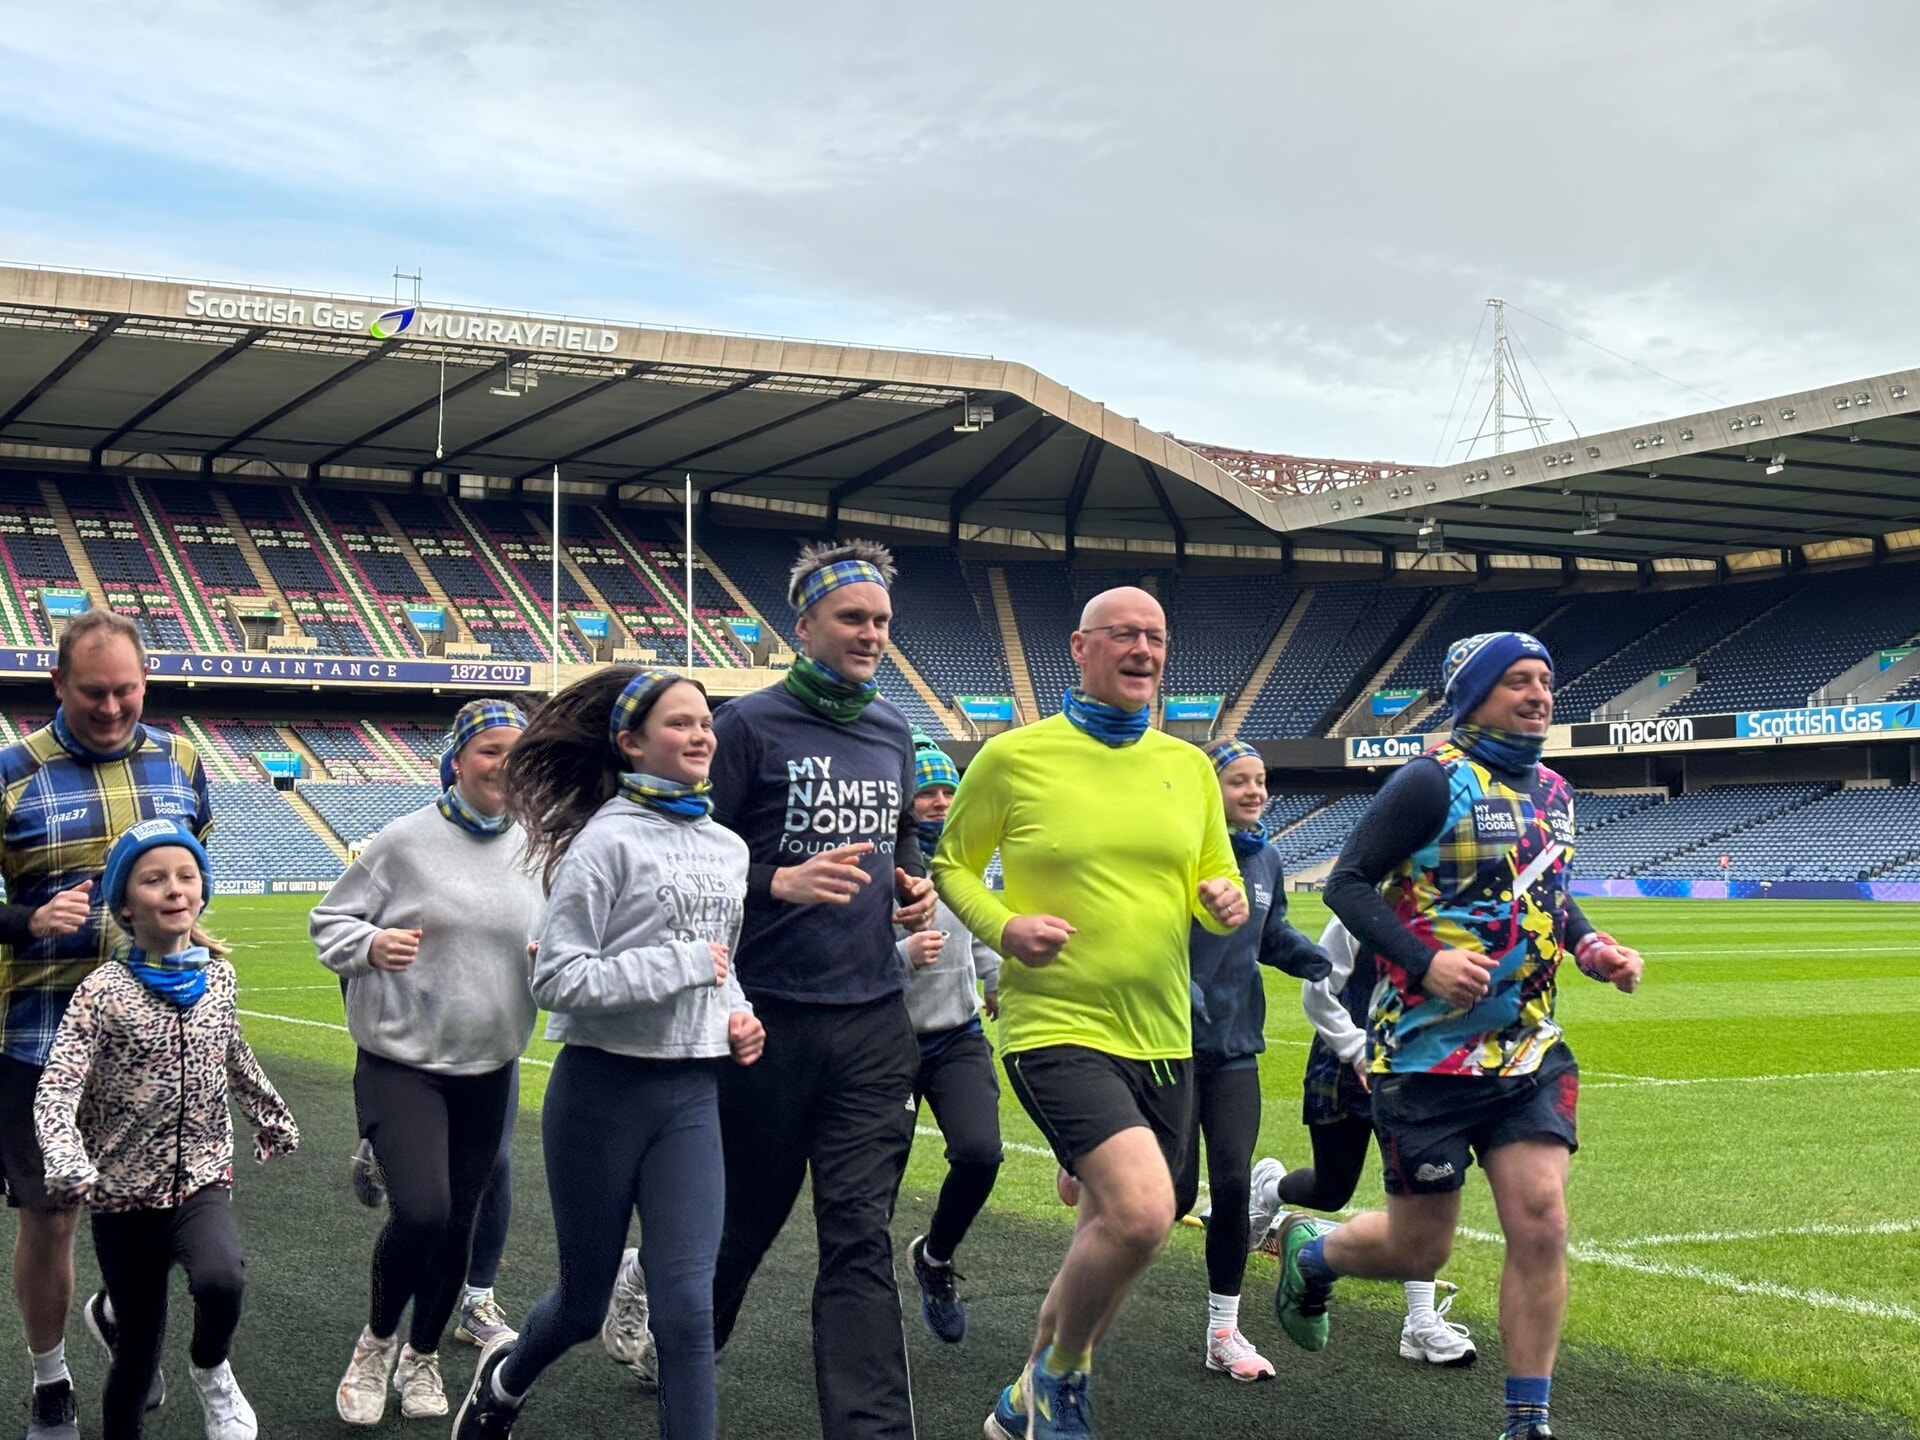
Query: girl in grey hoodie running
[{"x": 645, "y": 895}]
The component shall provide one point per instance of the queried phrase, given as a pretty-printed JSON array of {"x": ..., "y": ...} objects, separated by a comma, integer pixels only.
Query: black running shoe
[
  {"x": 1542, "y": 1431},
  {"x": 484, "y": 1415},
  {"x": 50, "y": 1412},
  {"x": 369, "y": 1180},
  {"x": 107, "y": 1332},
  {"x": 940, "y": 1305}
]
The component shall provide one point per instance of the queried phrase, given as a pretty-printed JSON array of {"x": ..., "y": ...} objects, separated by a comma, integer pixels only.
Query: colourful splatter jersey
[{"x": 1458, "y": 892}]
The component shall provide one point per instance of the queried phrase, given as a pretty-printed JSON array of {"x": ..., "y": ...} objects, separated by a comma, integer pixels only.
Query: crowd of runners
[{"x": 763, "y": 938}]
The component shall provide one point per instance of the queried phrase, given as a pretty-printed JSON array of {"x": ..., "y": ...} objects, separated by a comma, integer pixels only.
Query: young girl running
[
  {"x": 1338, "y": 1112},
  {"x": 1229, "y": 1025},
  {"x": 430, "y": 927},
  {"x": 132, "y": 1117},
  {"x": 646, "y": 899},
  {"x": 956, "y": 1064}
]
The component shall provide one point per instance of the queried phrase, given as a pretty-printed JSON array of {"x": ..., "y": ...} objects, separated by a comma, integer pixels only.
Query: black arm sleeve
[
  {"x": 1406, "y": 814},
  {"x": 1578, "y": 926},
  {"x": 906, "y": 845},
  {"x": 16, "y": 924}
]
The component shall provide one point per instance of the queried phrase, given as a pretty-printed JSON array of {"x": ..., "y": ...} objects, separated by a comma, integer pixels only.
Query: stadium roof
[
  {"x": 1831, "y": 473},
  {"x": 126, "y": 372}
]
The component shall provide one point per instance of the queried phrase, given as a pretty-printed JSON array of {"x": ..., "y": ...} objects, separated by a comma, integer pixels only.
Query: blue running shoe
[
  {"x": 1007, "y": 1420},
  {"x": 940, "y": 1305},
  {"x": 1058, "y": 1406}
]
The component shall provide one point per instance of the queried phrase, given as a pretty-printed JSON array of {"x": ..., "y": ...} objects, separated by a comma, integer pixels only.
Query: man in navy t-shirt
[{"x": 816, "y": 774}]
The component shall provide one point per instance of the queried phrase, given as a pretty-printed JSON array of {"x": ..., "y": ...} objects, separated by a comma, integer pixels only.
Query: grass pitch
[{"x": 1743, "y": 1214}]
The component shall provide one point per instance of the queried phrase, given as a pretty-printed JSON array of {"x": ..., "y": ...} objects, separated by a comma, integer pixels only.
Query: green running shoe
[{"x": 1300, "y": 1305}]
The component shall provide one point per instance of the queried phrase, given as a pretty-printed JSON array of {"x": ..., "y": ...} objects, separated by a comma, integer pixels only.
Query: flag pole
[
  {"x": 553, "y": 687},
  {"x": 689, "y": 557}
]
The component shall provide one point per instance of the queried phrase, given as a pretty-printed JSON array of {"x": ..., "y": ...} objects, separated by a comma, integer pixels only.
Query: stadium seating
[
  {"x": 297, "y": 558},
  {"x": 1827, "y": 625},
  {"x": 1591, "y": 811},
  {"x": 258, "y": 836},
  {"x": 350, "y": 753},
  {"x": 122, "y": 557},
  {"x": 1218, "y": 628},
  {"x": 1046, "y": 608},
  {"x": 1842, "y": 836},
  {"x": 1708, "y": 619},
  {"x": 355, "y": 811},
  {"x": 33, "y": 556},
  {"x": 757, "y": 561},
  {"x": 1318, "y": 838},
  {"x": 1629, "y": 844},
  {"x": 448, "y": 550},
  {"x": 656, "y": 559},
  {"x": 1339, "y": 643},
  {"x": 1463, "y": 613},
  {"x": 940, "y": 624}
]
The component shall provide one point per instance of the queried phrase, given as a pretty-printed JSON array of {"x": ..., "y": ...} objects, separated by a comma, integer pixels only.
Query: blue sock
[
  {"x": 1527, "y": 1401},
  {"x": 1312, "y": 1261}
]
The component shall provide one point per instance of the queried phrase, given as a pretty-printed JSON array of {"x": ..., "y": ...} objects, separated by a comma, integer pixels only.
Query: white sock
[
  {"x": 50, "y": 1365},
  {"x": 1419, "y": 1299},
  {"x": 499, "y": 1388},
  {"x": 1223, "y": 1312},
  {"x": 106, "y": 1308},
  {"x": 474, "y": 1294}
]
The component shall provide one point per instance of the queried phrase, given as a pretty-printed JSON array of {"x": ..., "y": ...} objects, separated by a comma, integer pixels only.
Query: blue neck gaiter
[
  {"x": 1108, "y": 724},
  {"x": 180, "y": 978}
]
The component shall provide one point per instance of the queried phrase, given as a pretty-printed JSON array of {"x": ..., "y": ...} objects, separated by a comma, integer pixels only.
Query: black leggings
[
  {"x": 1227, "y": 1107},
  {"x": 496, "y": 1206},
  {"x": 1339, "y": 1154},
  {"x": 956, "y": 1078},
  {"x": 436, "y": 1137},
  {"x": 137, "y": 1250}
]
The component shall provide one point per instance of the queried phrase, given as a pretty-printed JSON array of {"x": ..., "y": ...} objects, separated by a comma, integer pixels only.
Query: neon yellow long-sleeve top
[{"x": 1113, "y": 841}]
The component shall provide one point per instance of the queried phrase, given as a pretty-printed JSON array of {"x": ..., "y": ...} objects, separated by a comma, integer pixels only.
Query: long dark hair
[{"x": 565, "y": 766}]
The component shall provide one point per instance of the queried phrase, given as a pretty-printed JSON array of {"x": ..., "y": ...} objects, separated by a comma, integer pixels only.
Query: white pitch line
[
  {"x": 1616, "y": 1258},
  {"x": 342, "y": 1030},
  {"x": 1818, "y": 1228},
  {"x": 1644, "y": 1082}
]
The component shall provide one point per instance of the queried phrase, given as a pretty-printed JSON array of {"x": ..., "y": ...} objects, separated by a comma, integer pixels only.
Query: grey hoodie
[
  {"x": 624, "y": 963},
  {"x": 941, "y": 996},
  {"x": 463, "y": 1006}
]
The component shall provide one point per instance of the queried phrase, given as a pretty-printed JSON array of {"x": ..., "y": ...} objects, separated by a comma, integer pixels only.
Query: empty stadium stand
[
  {"x": 1846, "y": 835},
  {"x": 258, "y": 836},
  {"x": 1631, "y": 843},
  {"x": 1344, "y": 637},
  {"x": 355, "y": 811}
]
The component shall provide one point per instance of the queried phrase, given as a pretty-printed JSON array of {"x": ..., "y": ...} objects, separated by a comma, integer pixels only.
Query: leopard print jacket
[{"x": 131, "y": 1112}]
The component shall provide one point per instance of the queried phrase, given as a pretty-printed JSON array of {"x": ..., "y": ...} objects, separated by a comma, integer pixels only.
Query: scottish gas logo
[{"x": 390, "y": 323}]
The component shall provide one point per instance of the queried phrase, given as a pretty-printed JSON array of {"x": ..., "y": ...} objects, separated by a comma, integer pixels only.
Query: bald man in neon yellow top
[{"x": 1112, "y": 841}]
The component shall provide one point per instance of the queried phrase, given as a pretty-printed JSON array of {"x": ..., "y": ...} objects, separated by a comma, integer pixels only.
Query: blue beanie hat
[
  {"x": 1474, "y": 666},
  {"x": 133, "y": 843}
]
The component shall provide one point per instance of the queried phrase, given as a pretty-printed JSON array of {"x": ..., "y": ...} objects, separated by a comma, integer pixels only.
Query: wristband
[{"x": 1584, "y": 952}]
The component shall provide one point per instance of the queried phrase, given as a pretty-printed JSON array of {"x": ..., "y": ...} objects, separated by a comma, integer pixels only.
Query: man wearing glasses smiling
[{"x": 1112, "y": 840}]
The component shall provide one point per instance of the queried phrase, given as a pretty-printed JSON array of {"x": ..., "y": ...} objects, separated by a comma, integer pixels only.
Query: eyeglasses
[{"x": 1126, "y": 636}]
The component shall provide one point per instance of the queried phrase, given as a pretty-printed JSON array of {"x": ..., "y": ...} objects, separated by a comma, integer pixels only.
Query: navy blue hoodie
[
  {"x": 791, "y": 783},
  {"x": 1229, "y": 1001}
]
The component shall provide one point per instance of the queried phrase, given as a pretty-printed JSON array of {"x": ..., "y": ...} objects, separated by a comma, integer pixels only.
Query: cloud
[{"x": 1266, "y": 225}]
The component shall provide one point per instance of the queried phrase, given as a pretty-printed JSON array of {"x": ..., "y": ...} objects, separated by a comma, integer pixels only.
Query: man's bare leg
[
  {"x": 1410, "y": 1240},
  {"x": 1529, "y": 1180}
]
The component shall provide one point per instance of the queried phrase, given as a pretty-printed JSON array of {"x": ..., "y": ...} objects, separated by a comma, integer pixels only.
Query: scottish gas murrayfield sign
[
  {"x": 390, "y": 323},
  {"x": 306, "y": 669},
  {"x": 1837, "y": 720}
]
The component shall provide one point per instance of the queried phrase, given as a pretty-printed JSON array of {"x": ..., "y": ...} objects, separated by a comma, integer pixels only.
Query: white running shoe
[
  {"x": 482, "y": 1322},
  {"x": 1231, "y": 1353},
  {"x": 624, "y": 1332},
  {"x": 416, "y": 1380},
  {"x": 1436, "y": 1339},
  {"x": 1263, "y": 1205},
  {"x": 229, "y": 1416},
  {"x": 362, "y": 1396}
]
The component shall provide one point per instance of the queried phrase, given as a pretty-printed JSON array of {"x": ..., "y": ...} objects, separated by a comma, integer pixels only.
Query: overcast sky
[{"x": 1266, "y": 225}]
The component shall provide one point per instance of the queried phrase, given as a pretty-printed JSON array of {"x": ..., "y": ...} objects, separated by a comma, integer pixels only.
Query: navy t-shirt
[{"x": 792, "y": 783}]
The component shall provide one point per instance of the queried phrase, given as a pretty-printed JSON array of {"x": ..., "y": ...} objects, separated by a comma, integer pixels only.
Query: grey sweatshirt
[
  {"x": 623, "y": 962},
  {"x": 463, "y": 1006},
  {"x": 942, "y": 996}
]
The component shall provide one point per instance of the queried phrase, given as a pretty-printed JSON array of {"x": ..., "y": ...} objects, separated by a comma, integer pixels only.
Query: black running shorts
[
  {"x": 1431, "y": 1127},
  {"x": 1081, "y": 1098},
  {"x": 21, "y": 1163}
]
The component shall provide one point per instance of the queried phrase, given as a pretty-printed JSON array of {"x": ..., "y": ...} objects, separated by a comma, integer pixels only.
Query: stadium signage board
[
  {"x": 1392, "y": 702},
  {"x": 986, "y": 707},
  {"x": 1838, "y": 720},
  {"x": 301, "y": 313},
  {"x": 1193, "y": 707},
  {"x": 64, "y": 604},
  {"x": 1657, "y": 733},
  {"x": 306, "y": 669},
  {"x": 1388, "y": 749}
]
